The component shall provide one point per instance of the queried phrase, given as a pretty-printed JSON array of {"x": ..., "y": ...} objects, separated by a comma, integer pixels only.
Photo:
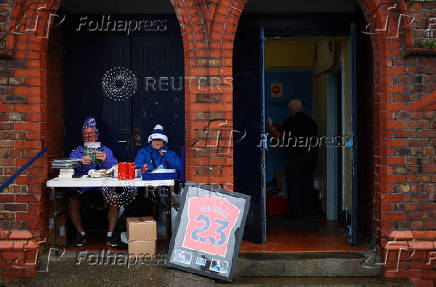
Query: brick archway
[
  {"x": 208, "y": 35},
  {"x": 391, "y": 32},
  {"x": 208, "y": 29},
  {"x": 378, "y": 14}
]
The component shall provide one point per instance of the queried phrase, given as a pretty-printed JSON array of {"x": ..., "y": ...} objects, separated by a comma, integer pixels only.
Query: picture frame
[{"x": 208, "y": 231}]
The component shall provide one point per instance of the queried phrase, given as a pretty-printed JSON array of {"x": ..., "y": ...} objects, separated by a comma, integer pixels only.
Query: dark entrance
[
  {"x": 249, "y": 119},
  {"x": 251, "y": 90},
  {"x": 153, "y": 55},
  {"x": 149, "y": 61}
]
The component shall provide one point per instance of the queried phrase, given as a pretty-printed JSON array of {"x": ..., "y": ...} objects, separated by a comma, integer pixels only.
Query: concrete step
[
  {"x": 315, "y": 282},
  {"x": 306, "y": 264}
]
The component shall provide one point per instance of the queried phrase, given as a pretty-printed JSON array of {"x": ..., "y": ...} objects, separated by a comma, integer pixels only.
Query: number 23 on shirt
[{"x": 210, "y": 224}]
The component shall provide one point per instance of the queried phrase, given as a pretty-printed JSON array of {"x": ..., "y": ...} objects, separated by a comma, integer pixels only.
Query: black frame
[{"x": 238, "y": 231}]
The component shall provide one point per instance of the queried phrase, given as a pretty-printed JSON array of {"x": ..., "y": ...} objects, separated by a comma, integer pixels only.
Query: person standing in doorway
[{"x": 297, "y": 133}]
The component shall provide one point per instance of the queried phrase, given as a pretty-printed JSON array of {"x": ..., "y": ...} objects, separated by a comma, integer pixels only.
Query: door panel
[
  {"x": 354, "y": 152},
  {"x": 88, "y": 57},
  {"x": 248, "y": 113},
  {"x": 158, "y": 62}
]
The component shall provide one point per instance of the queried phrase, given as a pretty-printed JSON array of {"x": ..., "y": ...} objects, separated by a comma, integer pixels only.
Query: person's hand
[
  {"x": 162, "y": 151},
  {"x": 101, "y": 156},
  {"x": 269, "y": 122},
  {"x": 86, "y": 159},
  {"x": 273, "y": 131}
]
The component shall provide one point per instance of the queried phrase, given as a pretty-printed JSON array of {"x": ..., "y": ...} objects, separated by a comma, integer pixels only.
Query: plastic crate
[
  {"x": 277, "y": 206},
  {"x": 158, "y": 176}
]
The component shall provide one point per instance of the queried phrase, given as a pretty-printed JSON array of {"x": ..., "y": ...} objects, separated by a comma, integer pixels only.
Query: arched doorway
[
  {"x": 141, "y": 46},
  {"x": 316, "y": 52},
  {"x": 124, "y": 66},
  {"x": 30, "y": 53}
]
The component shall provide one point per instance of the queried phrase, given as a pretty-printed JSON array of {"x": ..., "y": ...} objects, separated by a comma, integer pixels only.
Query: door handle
[
  {"x": 350, "y": 144},
  {"x": 123, "y": 141}
]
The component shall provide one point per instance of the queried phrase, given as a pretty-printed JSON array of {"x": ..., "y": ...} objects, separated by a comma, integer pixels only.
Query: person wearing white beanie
[
  {"x": 156, "y": 153},
  {"x": 158, "y": 134}
]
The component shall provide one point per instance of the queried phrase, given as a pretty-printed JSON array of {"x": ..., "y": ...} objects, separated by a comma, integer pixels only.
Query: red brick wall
[
  {"x": 411, "y": 254},
  {"x": 403, "y": 115},
  {"x": 403, "y": 136},
  {"x": 30, "y": 114},
  {"x": 208, "y": 30}
]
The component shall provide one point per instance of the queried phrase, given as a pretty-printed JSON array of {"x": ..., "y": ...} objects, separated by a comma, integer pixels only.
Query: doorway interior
[
  {"x": 314, "y": 59},
  {"x": 315, "y": 70}
]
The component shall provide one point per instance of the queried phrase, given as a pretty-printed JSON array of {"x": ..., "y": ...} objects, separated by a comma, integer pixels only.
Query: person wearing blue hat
[
  {"x": 106, "y": 160},
  {"x": 156, "y": 153}
]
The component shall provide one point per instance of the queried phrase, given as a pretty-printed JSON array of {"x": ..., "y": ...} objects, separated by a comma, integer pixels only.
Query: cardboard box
[
  {"x": 141, "y": 228},
  {"x": 61, "y": 231},
  {"x": 142, "y": 247}
]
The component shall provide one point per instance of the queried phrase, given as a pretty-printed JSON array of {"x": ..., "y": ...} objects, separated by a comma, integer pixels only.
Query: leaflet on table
[{"x": 65, "y": 163}]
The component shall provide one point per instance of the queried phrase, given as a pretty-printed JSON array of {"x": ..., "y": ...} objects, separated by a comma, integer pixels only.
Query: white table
[
  {"x": 106, "y": 182},
  {"x": 113, "y": 182}
]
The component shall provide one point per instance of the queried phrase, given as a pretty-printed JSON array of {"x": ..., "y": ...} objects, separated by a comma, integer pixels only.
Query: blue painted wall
[{"x": 296, "y": 85}]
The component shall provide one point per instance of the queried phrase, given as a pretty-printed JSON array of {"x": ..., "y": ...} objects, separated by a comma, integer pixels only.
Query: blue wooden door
[
  {"x": 158, "y": 62},
  {"x": 249, "y": 120},
  {"x": 88, "y": 57},
  {"x": 124, "y": 126},
  {"x": 355, "y": 186}
]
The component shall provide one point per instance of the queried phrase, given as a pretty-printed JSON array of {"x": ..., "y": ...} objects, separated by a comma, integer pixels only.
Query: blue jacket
[
  {"x": 83, "y": 169},
  {"x": 168, "y": 160}
]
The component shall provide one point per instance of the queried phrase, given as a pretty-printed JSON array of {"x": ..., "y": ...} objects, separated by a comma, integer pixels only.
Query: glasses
[{"x": 89, "y": 134}]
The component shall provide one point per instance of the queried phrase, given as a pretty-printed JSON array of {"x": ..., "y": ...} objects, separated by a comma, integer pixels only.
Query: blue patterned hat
[
  {"x": 90, "y": 122},
  {"x": 158, "y": 134}
]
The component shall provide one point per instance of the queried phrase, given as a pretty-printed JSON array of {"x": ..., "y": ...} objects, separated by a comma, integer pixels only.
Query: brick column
[
  {"x": 387, "y": 52},
  {"x": 404, "y": 118},
  {"x": 208, "y": 30},
  {"x": 25, "y": 111},
  {"x": 403, "y": 137}
]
